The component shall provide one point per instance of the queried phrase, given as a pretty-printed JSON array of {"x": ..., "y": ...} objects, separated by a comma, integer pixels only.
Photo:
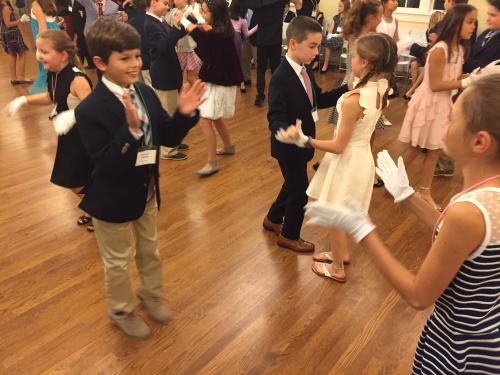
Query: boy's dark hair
[
  {"x": 107, "y": 35},
  {"x": 140, "y": 5},
  {"x": 495, "y": 3},
  {"x": 300, "y": 27},
  {"x": 450, "y": 27},
  {"x": 236, "y": 10}
]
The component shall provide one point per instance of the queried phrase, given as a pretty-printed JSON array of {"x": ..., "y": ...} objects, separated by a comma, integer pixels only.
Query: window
[
  {"x": 409, "y": 4},
  {"x": 417, "y": 11}
]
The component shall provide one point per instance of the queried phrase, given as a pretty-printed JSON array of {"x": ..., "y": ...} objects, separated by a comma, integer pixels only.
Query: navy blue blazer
[
  {"x": 165, "y": 69},
  {"x": 288, "y": 101},
  {"x": 117, "y": 190},
  {"x": 483, "y": 54},
  {"x": 137, "y": 20}
]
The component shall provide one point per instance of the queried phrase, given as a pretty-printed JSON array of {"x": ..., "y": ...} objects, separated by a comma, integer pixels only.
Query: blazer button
[{"x": 125, "y": 148}]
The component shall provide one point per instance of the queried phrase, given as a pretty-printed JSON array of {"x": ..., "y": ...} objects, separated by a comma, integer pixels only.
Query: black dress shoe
[
  {"x": 316, "y": 166},
  {"x": 259, "y": 100},
  {"x": 248, "y": 82},
  {"x": 243, "y": 90}
]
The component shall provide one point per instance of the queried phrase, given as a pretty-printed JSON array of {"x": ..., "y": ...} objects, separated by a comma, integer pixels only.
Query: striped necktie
[{"x": 143, "y": 118}]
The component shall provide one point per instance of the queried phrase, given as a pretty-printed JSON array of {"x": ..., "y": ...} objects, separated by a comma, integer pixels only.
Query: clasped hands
[
  {"x": 349, "y": 217},
  {"x": 293, "y": 135}
]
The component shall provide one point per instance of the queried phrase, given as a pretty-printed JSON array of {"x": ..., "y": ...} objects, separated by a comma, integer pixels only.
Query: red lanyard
[{"x": 440, "y": 218}]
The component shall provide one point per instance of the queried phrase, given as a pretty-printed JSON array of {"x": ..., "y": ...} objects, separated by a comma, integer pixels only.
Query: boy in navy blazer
[
  {"x": 122, "y": 124},
  {"x": 165, "y": 69},
  {"x": 293, "y": 95}
]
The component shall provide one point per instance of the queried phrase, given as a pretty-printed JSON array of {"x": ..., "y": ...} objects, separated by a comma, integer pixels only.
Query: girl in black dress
[{"x": 67, "y": 86}]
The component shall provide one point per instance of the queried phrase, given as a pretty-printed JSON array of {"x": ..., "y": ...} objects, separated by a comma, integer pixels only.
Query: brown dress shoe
[
  {"x": 299, "y": 245},
  {"x": 272, "y": 227}
]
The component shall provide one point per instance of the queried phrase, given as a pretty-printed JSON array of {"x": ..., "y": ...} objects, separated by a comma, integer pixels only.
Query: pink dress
[{"x": 429, "y": 112}]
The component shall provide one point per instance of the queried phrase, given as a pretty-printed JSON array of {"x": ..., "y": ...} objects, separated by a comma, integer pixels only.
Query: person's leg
[
  {"x": 427, "y": 175},
  {"x": 296, "y": 181},
  {"x": 168, "y": 100},
  {"x": 147, "y": 256},
  {"x": 340, "y": 254},
  {"x": 12, "y": 68},
  {"x": 212, "y": 165},
  {"x": 326, "y": 62},
  {"x": 262, "y": 58},
  {"x": 223, "y": 131},
  {"x": 21, "y": 66},
  {"x": 414, "y": 86},
  {"x": 246, "y": 58},
  {"x": 277, "y": 210},
  {"x": 114, "y": 241},
  {"x": 414, "y": 71},
  {"x": 410, "y": 155},
  {"x": 191, "y": 76}
]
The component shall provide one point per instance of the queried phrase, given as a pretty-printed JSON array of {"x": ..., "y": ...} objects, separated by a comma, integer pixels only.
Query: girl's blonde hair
[
  {"x": 62, "y": 43},
  {"x": 436, "y": 17},
  {"x": 356, "y": 17},
  {"x": 382, "y": 54}
]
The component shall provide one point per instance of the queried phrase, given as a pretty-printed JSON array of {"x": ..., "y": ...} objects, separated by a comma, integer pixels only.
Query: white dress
[{"x": 350, "y": 174}]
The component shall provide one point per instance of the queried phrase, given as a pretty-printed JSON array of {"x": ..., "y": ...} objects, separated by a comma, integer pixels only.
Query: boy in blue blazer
[{"x": 122, "y": 125}]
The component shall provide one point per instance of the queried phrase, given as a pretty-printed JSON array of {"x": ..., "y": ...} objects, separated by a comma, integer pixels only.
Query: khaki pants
[
  {"x": 246, "y": 57},
  {"x": 115, "y": 245}
]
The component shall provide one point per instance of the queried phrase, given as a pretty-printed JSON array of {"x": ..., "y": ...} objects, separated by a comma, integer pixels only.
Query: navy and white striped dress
[{"x": 462, "y": 335}]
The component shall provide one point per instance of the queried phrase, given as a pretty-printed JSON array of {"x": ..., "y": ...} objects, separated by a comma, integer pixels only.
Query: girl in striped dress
[{"x": 461, "y": 273}]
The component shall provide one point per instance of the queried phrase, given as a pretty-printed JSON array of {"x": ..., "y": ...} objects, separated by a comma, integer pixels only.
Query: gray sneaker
[
  {"x": 229, "y": 150},
  {"x": 156, "y": 308},
  {"x": 213, "y": 168},
  {"x": 131, "y": 324}
]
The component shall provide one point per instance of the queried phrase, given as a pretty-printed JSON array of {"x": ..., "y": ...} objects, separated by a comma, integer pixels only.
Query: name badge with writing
[
  {"x": 315, "y": 114},
  {"x": 313, "y": 14},
  {"x": 146, "y": 157}
]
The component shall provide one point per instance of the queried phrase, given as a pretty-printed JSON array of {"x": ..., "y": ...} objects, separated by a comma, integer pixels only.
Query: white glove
[
  {"x": 196, "y": 14},
  {"x": 15, "y": 105},
  {"x": 25, "y": 18},
  {"x": 395, "y": 178},
  {"x": 477, "y": 74},
  {"x": 293, "y": 135},
  {"x": 329, "y": 36},
  {"x": 64, "y": 121},
  {"x": 347, "y": 217}
]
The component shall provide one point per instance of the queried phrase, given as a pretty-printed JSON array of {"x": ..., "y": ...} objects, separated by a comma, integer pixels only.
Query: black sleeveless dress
[{"x": 72, "y": 165}]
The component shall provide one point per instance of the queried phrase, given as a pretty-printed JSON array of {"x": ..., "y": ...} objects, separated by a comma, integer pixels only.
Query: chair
[
  {"x": 403, "y": 67},
  {"x": 343, "y": 56}
]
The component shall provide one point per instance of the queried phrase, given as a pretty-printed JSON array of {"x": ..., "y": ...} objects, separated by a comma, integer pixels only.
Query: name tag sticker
[{"x": 146, "y": 157}]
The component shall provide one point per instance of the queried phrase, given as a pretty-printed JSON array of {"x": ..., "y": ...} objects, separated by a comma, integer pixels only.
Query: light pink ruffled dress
[{"x": 429, "y": 112}]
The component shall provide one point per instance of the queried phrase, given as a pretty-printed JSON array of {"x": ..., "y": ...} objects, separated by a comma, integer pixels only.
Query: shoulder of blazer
[{"x": 100, "y": 102}]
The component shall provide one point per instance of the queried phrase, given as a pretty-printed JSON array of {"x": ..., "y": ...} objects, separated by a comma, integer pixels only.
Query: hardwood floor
[{"x": 242, "y": 305}]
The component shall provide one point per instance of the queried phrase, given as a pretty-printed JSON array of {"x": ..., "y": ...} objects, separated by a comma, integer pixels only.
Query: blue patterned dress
[{"x": 12, "y": 38}]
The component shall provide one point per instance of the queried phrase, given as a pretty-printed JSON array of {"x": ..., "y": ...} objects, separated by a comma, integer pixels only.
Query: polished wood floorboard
[{"x": 242, "y": 305}]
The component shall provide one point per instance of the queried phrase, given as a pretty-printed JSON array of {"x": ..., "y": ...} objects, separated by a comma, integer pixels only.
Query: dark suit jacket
[
  {"x": 74, "y": 22},
  {"x": 165, "y": 69},
  {"x": 483, "y": 55},
  {"x": 117, "y": 189},
  {"x": 268, "y": 14},
  {"x": 288, "y": 101},
  {"x": 137, "y": 20}
]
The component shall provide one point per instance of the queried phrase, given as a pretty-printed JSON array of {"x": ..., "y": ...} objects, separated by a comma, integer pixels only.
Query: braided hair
[{"x": 382, "y": 54}]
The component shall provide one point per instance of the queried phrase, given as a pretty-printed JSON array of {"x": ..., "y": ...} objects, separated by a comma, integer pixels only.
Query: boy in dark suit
[
  {"x": 486, "y": 48},
  {"x": 165, "y": 70},
  {"x": 122, "y": 125},
  {"x": 294, "y": 95}
]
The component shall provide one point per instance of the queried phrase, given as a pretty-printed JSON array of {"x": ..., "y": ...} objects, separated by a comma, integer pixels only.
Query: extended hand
[
  {"x": 395, "y": 178},
  {"x": 477, "y": 74},
  {"x": 24, "y": 18},
  {"x": 293, "y": 135},
  {"x": 131, "y": 114},
  {"x": 15, "y": 105},
  {"x": 347, "y": 217},
  {"x": 64, "y": 121},
  {"x": 191, "y": 97}
]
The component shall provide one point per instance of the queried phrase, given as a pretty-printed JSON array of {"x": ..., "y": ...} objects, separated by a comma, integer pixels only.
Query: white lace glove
[
  {"x": 196, "y": 14},
  {"x": 64, "y": 121},
  {"x": 488, "y": 70},
  {"x": 25, "y": 18},
  {"x": 395, "y": 178},
  {"x": 347, "y": 217},
  {"x": 15, "y": 105},
  {"x": 293, "y": 135}
]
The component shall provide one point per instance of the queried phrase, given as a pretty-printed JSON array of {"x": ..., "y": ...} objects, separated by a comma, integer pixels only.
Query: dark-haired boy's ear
[{"x": 99, "y": 63}]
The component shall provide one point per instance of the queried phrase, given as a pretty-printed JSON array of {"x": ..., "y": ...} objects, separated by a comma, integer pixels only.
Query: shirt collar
[
  {"x": 296, "y": 67},
  {"x": 155, "y": 16},
  {"x": 117, "y": 90}
]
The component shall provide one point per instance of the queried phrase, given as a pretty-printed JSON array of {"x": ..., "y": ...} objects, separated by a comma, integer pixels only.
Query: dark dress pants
[
  {"x": 289, "y": 205},
  {"x": 265, "y": 54}
]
